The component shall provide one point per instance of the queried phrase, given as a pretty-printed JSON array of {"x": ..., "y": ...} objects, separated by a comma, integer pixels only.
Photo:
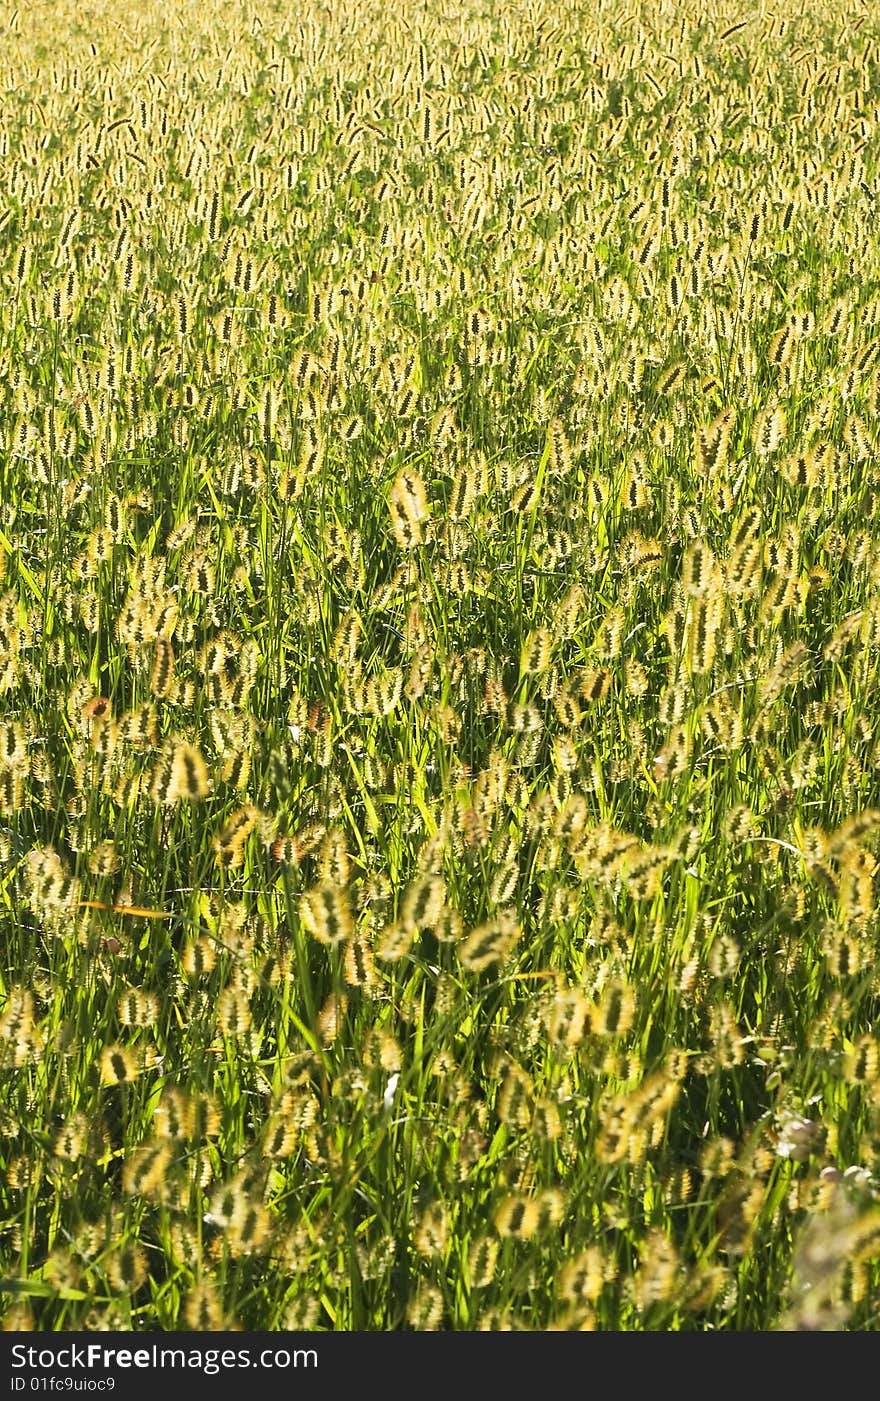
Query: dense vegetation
[{"x": 439, "y": 640}]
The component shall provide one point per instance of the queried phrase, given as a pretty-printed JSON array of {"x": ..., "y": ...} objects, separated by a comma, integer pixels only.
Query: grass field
[{"x": 439, "y": 648}]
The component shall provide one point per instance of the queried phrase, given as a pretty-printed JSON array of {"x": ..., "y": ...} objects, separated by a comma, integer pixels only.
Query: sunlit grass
[{"x": 439, "y": 626}]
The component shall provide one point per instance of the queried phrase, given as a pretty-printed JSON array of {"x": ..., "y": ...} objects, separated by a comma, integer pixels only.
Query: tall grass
[{"x": 439, "y": 628}]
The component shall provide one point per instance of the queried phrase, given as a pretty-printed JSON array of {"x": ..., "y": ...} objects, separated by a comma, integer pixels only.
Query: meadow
[{"x": 439, "y": 641}]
